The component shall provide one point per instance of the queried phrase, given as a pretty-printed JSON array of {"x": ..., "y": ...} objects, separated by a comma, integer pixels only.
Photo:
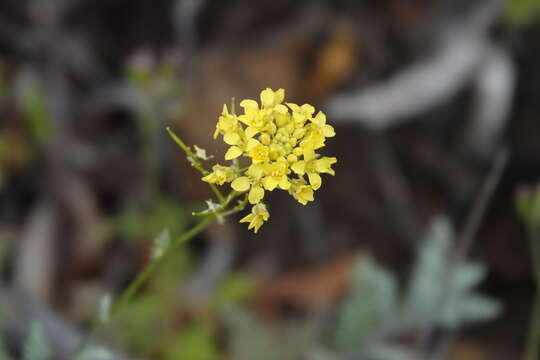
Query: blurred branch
[
  {"x": 464, "y": 50},
  {"x": 395, "y": 190}
]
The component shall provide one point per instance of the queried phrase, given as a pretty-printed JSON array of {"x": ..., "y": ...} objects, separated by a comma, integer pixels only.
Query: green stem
[
  {"x": 141, "y": 278},
  {"x": 195, "y": 163},
  {"x": 533, "y": 341}
]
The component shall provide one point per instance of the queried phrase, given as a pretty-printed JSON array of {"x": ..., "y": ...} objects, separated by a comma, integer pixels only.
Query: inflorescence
[{"x": 279, "y": 142}]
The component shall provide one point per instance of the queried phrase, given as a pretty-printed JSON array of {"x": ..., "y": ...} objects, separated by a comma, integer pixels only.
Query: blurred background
[{"x": 414, "y": 250}]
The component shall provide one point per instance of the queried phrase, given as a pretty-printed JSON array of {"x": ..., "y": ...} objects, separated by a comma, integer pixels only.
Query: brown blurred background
[{"x": 423, "y": 95}]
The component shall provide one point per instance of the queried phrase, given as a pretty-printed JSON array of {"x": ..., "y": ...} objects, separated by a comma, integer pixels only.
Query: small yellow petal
[
  {"x": 241, "y": 184},
  {"x": 256, "y": 194},
  {"x": 293, "y": 107},
  {"x": 231, "y": 138},
  {"x": 251, "y": 132},
  {"x": 279, "y": 95},
  {"x": 281, "y": 109},
  {"x": 299, "y": 167},
  {"x": 315, "y": 180},
  {"x": 233, "y": 153},
  {"x": 324, "y": 165},
  {"x": 270, "y": 183},
  {"x": 248, "y": 103},
  {"x": 267, "y": 97},
  {"x": 307, "y": 109},
  {"x": 251, "y": 144},
  {"x": 328, "y": 131},
  {"x": 210, "y": 178},
  {"x": 247, "y": 218}
]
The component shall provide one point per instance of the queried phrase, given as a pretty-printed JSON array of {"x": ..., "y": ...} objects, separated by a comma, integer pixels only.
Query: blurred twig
[
  {"x": 465, "y": 54},
  {"x": 394, "y": 190}
]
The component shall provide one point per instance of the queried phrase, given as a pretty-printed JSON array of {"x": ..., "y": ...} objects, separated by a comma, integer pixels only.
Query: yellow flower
[
  {"x": 259, "y": 214},
  {"x": 251, "y": 182},
  {"x": 301, "y": 191},
  {"x": 276, "y": 176},
  {"x": 320, "y": 123},
  {"x": 257, "y": 151},
  {"x": 301, "y": 113},
  {"x": 220, "y": 175},
  {"x": 227, "y": 123},
  {"x": 313, "y": 167},
  {"x": 278, "y": 141}
]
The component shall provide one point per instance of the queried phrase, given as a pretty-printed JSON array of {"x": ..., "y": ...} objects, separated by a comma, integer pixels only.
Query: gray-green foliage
[
  {"x": 36, "y": 346},
  {"x": 4, "y": 355},
  {"x": 443, "y": 295},
  {"x": 252, "y": 339},
  {"x": 437, "y": 294},
  {"x": 375, "y": 290}
]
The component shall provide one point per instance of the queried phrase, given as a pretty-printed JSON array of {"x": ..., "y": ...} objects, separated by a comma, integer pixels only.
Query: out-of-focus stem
[{"x": 141, "y": 278}]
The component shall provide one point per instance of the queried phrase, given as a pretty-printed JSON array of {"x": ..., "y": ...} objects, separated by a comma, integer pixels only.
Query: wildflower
[
  {"x": 220, "y": 175},
  {"x": 259, "y": 214},
  {"x": 313, "y": 167},
  {"x": 251, "y": 182},
  {"x": 301, "y": 191},
  {"x": 280, "y": 142}
]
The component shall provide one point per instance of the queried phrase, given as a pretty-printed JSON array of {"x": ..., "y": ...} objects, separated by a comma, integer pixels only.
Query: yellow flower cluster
[{"x": 280, "y": 141}]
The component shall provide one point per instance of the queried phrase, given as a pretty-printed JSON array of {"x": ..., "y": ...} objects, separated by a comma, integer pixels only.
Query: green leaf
[
  {"x": 469, "y": 309},
  {"x": 372, "y": 298},
  {"x": 36, "y": 346},
  {"x": 4, "y": 355},
  {"x": 466, "y": 277},
  {"x": 196, "y": 342},
  {"x": 424, "y": 293},
  {"x": 522, "y": 12},
  {"x": 236, "y": 288}
]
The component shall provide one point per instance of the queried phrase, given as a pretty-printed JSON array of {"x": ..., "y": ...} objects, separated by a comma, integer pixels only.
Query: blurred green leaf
[
  {"x": 33, "y": 105},
  {"x": 250, "y": 338},
  {"x": 522, "y": 12},
  {"x": 441, "y": 295},
  {"x": 4, "y": 354},
  {"x": 36, "y": 346},
  {"x": 236, "y": 288},
  {"x": 372, "y": 297},
  {"x": 424, "y": 293},
  {"x": 195, "y": 342},
  {"x": 527, "y": 203}
]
